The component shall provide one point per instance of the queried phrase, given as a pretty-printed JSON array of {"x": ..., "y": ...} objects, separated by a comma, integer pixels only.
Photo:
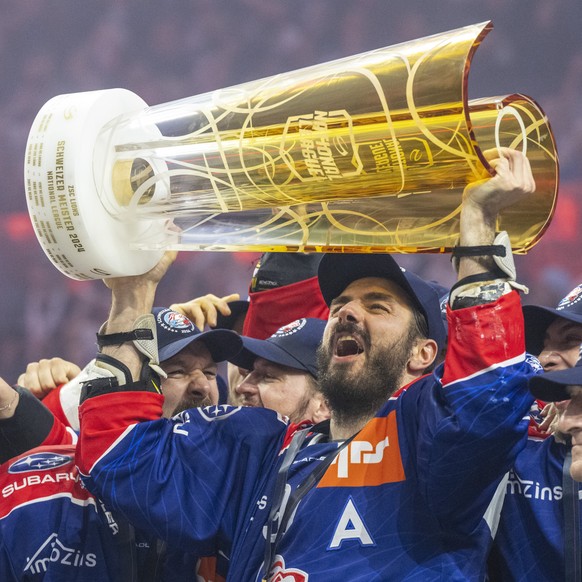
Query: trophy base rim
[{"x": 75, "y": 230}]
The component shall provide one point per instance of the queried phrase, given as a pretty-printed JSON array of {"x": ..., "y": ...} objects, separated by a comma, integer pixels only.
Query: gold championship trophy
[{"x": 369, "y": 153}]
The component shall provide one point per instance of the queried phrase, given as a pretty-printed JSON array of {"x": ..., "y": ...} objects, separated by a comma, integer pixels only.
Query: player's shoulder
[{"x": 241, "y": 420}]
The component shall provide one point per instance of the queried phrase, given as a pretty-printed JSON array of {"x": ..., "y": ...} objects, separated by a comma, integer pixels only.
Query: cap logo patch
[
  {"x": 573, "y": 297},
  {"x": 290, "y": 328},
  {"x": 175, "y": 322}
]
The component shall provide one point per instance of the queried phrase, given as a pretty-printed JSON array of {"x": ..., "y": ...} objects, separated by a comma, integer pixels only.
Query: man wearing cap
[
  {"x": 49, "y": 524},
  {"x": 399, "y": 484},
  {"x": 187, "y": 355},
  {"x": 565, "y": 388},
  {"x": 554, "y": 334},
  {"x": 283, "y": 288},
  {"x": 282, "y": 371},
  {"x": 536, "y": 531}
]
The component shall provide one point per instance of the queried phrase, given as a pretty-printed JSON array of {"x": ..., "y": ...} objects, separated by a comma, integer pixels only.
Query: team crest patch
[
  {"x": 279, "y": 573},
  {"x": 39, "y": 462},
  {"x": 573, "y": 297},
  {"x": 218, "y": 412},
  {"x": 290, "y": 328},
  {"x": 174, "y": 321}
]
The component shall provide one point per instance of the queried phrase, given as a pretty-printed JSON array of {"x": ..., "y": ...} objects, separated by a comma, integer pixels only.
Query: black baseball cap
[
  {"x": 294, "y": 345},
  {"x": 551, "y": 386},
  {"x": 279, "y": 269},
  {"x": 538, "y": 318},
  {"x": 175, "y": 331},
  {"x": 237, "y": 308},
  {"x": 337, "y": 271}
]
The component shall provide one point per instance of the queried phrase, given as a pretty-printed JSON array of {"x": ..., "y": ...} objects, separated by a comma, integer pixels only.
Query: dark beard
[{"x": 354, "y": 398}]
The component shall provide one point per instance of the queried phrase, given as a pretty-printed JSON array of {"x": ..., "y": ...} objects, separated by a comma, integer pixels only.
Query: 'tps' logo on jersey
[
  {"x": 371, "y": 459},
  {"x": 39, "y": 462}
]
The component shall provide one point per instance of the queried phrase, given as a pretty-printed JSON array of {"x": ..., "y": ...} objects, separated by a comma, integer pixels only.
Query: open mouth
[{"x": 348, "y": 345}]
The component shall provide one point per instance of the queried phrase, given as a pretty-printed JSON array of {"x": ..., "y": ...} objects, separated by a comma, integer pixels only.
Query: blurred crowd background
[{"x": 172, "y": 49}]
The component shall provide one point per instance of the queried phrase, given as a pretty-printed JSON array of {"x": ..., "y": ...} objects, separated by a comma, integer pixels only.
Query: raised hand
[
  {"x": 204, "y": 310},
  {"x": 45, "y": 375}
]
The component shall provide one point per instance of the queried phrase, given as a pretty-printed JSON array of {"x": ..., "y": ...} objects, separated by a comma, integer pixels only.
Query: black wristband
[
  {"x": 109, "y": 385},
  {"x": 116, "y": 339},
  {"x": 480, "y": 278},
  {"x": 479, "y": 251},
  {"x": 149, "y": 380}
]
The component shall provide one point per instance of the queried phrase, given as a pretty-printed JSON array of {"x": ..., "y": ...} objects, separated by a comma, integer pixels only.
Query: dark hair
[{"x": 419, "y": 326}]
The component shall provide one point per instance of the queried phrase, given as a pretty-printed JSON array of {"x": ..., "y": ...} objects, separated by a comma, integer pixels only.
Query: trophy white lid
[{"x": 64, "y": 194}]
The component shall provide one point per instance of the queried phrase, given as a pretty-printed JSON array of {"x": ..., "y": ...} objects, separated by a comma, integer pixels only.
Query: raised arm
[
  {"x": 132, "y": 298},
  {"x": 482, "y": 202},
  {"x": 121, "y": 412},
  {"x": 476, "y": 436}
]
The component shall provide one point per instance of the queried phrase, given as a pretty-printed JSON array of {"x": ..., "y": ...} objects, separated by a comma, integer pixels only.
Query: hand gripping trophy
[{"x": 369, "y": 153}]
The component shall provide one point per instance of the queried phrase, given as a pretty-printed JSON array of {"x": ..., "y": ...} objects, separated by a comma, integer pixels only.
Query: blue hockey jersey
[
  {"x": 529, "y": 544},
  {"x": 53, "y": 529},
  {"x": 410, "y": 497}
]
